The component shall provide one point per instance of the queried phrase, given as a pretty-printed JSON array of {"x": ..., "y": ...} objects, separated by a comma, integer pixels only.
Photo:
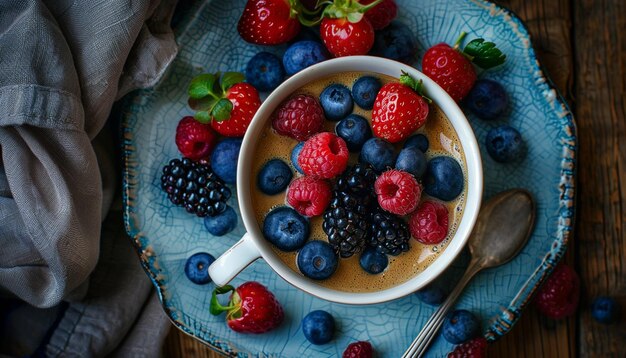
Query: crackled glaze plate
[{"x": 165, "y": 236}]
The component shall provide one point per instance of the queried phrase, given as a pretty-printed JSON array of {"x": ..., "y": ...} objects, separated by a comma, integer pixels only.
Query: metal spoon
[{"x": 502, "y": 228}]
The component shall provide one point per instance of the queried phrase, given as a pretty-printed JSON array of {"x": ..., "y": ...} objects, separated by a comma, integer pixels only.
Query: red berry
[
  {"x": 299, "y": 117},
  {"x": 344, "y": 38},
  {"x": 558, "y": 297},
  {"x": 398, "y": 110},
  {"x": 268, "y": 22},
  {"x": 476, "y": 348},
  {"x": 309, "y": 196},
  {"x": 324, "y": 155},
  {"x": 450, "y": 69},
  {"x": 360, "y": 349},
  {"x": 246, "y": 101},
  {"x": 382, "y": 14},
  {"x": 429, "y": 223},
  {"x": 195, "y": 140},
  {"x": 398, "y": 192}
]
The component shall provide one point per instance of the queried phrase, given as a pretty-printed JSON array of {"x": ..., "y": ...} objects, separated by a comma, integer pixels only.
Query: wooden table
[{"x": 582, "y": 45}]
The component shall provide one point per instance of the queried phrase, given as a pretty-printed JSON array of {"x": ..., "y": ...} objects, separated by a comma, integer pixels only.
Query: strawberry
[
  {"x": 399, "y": 109},
  {"x": 252, "y": 308},
  {"x": 225, "y": 101},
  {"x": 344, "y": 29},
  {"x": 269, "y": 22},
  {"x": 451, "y": 68},
  {"x": 382, "y": 14}
]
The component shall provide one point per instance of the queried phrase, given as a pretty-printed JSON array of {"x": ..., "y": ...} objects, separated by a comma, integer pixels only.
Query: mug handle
[{"x": 235, "y": 259}]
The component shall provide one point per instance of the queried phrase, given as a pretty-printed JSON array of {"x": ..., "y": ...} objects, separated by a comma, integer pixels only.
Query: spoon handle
[{"x": 422, "y": 341}]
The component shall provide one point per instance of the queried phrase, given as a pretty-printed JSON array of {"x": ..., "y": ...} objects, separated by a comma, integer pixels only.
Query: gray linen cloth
[{"x": 63, "y": 63}]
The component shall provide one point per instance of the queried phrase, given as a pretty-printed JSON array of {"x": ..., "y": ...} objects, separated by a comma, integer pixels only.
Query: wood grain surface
[{"x": 582, "y": 47}]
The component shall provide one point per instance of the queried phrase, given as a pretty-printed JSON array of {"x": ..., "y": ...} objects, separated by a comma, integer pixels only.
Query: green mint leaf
[
  {"x": 484, "y": 54},
  {"x": 201, "y": 85},
  {"x": 231, "y": 78},
  {"x": 202, "y": 104},
  {"x": 221, "y": 110},
  {"x": 202, "y": 117}
]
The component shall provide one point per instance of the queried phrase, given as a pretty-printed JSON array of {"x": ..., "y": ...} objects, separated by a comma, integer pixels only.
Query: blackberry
[
  {"x": 195, "y": 187},
  {"x": 345, "y": 220},
  {"x": 389, "y": 234}
]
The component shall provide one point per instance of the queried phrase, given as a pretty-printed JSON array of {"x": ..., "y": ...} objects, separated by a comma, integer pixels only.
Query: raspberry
[
  {"x": 309, "y": 196},
  {"x": 398, "y": 192},
  {"x": 324, "y": 156},
  {"x": 299, "y": 118},
  {"x": 195, "y": 140},
  {"x": 382, "y": 14},
  {"x": 429, "y": 223},
  {"x": 476, "y": 348},
  {"x": 360, "y": 349},
  {"x": 559, "y": 295}
]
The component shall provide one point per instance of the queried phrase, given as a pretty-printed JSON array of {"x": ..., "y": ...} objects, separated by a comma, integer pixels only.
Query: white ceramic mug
[{"x": 253, "y": 244}]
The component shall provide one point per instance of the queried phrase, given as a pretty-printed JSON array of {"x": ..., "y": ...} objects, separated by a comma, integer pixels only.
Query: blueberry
[
  {"x": 274, "y": 177},
  {"x": 487, "y": 99},
  {"x": 224, "y": 159},
  {"x": 354, "y": 130},
  {"x": 444, "y": 178},
  {"x": 336, "y": 101},
  {"x": 286, "y": 229},
  {"x": 396, "y": 42},
  {"x": 317, "y": 260},
  {"x": 412, "y": 160},
  {"x": 265, "y": 71},
  {"x": 303, "y": 54},
  {"x": 417, "y": 140},
  {"x": 318, "y": 327},
  {"x": 197, "y": 268},
  {"x": 379, "y": 153},
  {"x": 364, "y": 91},
  {"x": 221, "y": 224},
  {"x": 505, "y": 144},
  {"x": 605, "y": 310},
  {"x": 460, "y": 326},
  {"x": 432, "y": 294},
  {"x": 373, "y": 261},
  {"x": 295, "y": 152}
]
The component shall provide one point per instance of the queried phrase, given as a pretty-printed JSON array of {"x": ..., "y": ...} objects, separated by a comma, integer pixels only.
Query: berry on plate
[
  {"x": 225, "y": 101},
  {"x": 429, "y": 223},
  {"x": 324, "y": 156},
  {"x": 274, "y": 177},
  {"x": 412, "y": 160},
  {"x": 221, "y": 224},
  {"x": 364, "y": 91},
  {"x": 398, "y": 192},
  {"x": 487, "y": 99},
  {"x": 299, "y": 117},
  {"x": 382, "y": 14},
  {"x": 605, "y": 310},
  {"x": 295, "y": 152},
  {"x": 505, "y": 144},
  {"x": 355, "y": 130},
  {"x": 194, "y": 140},
  {"x": 224, "y": 159},
  {"x": 444, "y": 178},
  {"x": 197, "y": 268},
  {"x": 269, "y": 22},
  {"x": 378, "y": 153},
  {"x": 336, "y": 101},
  {"x": 558, "y": 297},
  {"x": 309, "y": 196},
  {"x": 360, "y": 349},
  {"x": 389, "y": 233},
  {"x": 452, "y": 69},
  {"x": 286, "y": 229},
  {"x": 344, "y": 29},
  {"x": 373, "y": 261},
  {"x": 460, "y": 326},
  {"x": 433, "y": 294},
  {"x": 395, "y": 42},
  {"x": 476, "y": 348},
  {"x": 399, "y": 109},
  {"x": 318, "y": 327},
  {"x": 303, "y": 54},
  {"x": 265, "y": 71},
  {"x": 419, "y": 141},
  {"x": 317, "y": 260},
  {"x": 252, "y": 308}
]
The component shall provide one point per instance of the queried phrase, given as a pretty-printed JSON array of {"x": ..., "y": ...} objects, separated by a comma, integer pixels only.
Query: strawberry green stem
[
  {"x": 215, "y": 307},
  {"x": 416, "y": 86},
  {"x": 351, "y": 10},
  {"x": 457, "y": 43}
]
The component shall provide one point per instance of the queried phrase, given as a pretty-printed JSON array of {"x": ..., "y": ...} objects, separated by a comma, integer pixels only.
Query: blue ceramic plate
[{"x": 165, "y": 236}]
